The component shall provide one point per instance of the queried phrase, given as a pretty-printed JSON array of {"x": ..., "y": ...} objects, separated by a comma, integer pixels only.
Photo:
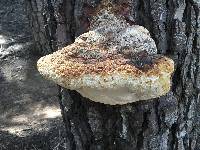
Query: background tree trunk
[{"x": 170, "y": 122}]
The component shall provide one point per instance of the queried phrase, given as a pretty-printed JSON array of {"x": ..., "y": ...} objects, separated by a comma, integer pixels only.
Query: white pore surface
[
  {"x": 126, "y": 91},
  {"x": 118, "y": 96}
]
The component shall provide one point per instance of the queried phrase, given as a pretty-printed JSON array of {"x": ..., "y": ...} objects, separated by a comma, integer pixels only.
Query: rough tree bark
[{"x": 170, "y": 122}]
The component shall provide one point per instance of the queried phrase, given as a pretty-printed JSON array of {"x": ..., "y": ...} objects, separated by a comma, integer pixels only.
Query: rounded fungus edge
[{"x": 113, "y": 65}]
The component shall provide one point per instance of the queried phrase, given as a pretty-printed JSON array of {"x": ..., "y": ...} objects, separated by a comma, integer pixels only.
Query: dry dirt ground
[{"x": 30, "y": 117}]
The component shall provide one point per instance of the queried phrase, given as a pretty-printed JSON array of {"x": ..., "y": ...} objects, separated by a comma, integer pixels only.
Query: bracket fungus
[{"x": 113, "y": 63}]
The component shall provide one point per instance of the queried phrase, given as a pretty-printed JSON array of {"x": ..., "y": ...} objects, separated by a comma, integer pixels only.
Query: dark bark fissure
[
  {"x": 66, "y": 113},
  {"x": 170, "y": 122},
  {"x": 140, "y": 135},
  {"x": 50, "y": 25},
  {"x": 173, "y": 142}
]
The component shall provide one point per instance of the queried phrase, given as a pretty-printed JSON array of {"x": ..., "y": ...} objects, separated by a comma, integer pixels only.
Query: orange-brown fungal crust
[
  {"x": 76, "y": 60},
  {"x": 109, "y": 77}
]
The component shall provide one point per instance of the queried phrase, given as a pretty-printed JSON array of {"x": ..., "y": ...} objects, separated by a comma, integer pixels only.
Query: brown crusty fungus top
[
  {"x": 76, "y": 60},
  {"x": 114, "y": 63}
]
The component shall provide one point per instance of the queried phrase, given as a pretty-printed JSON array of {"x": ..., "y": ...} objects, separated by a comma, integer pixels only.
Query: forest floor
[{"x": 30, "y": 116}]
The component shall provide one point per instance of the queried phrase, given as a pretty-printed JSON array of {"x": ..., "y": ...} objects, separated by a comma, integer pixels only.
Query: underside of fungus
[{"x": 113, "y": 63}]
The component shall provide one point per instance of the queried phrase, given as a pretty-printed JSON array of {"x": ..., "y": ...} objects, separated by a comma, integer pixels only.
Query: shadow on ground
[
  {"x": 42, "y": 140},
  {"x": 30, "y": 116}
]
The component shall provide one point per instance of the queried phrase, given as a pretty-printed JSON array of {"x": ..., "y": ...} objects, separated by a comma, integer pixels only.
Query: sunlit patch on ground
[
  {"x": 21, "y": 124},
  {"x": 20, "y": 119},
  {"x": 2, "y": 41},
  {"x": 49, "y": 112},
  {"x": 16, "y": 130}
]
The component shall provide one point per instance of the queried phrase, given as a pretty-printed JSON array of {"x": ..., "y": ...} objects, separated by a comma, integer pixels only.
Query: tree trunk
[{"x": 169, "y": 122}]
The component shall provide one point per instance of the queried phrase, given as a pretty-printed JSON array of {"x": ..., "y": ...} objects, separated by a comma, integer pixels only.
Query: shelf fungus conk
[{"x": 113, "y": 63}]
